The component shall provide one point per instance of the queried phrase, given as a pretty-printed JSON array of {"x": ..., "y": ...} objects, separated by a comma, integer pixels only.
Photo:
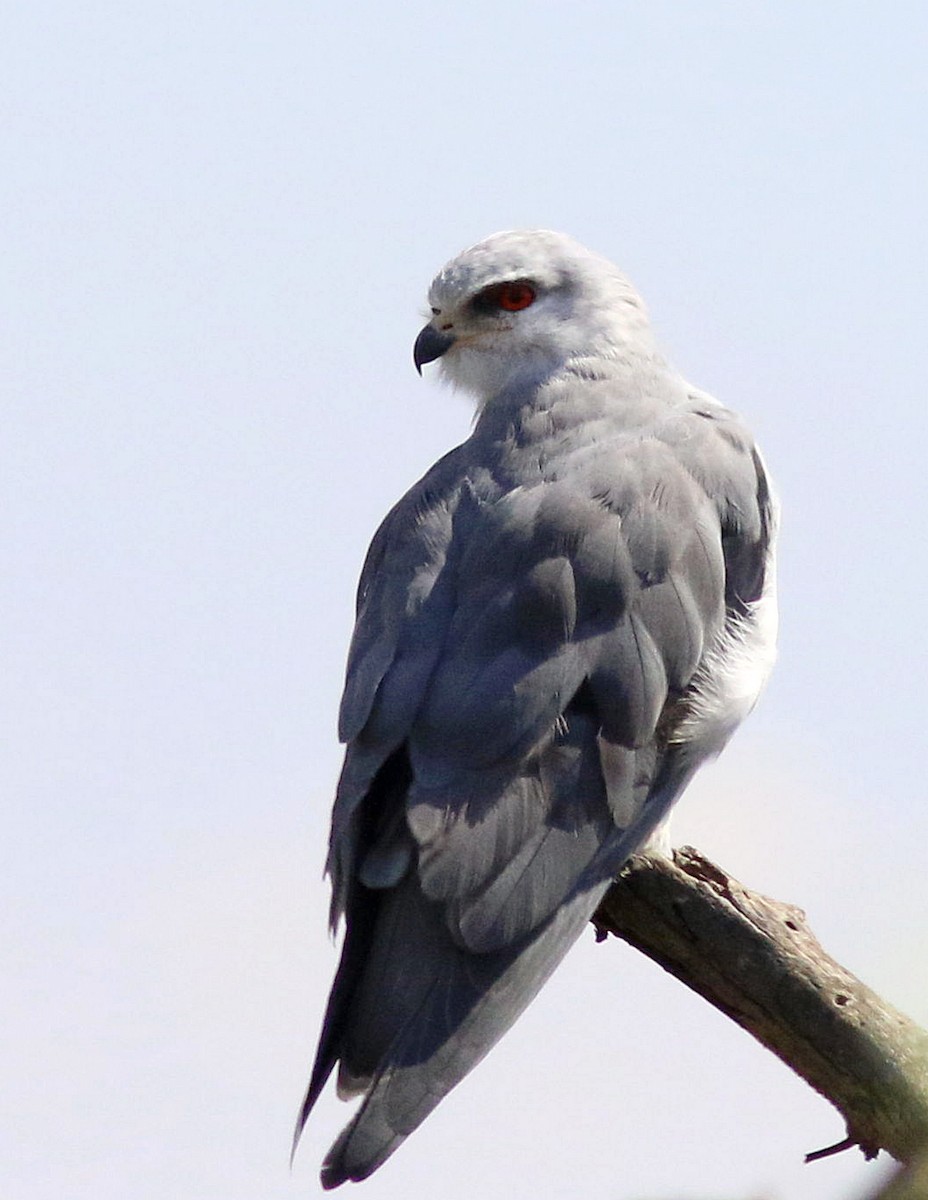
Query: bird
[{"x": 556, "y": 626}]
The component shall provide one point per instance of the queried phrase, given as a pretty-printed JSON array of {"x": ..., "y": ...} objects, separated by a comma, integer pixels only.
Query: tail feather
[
  {"x": 414, "y": 1009},
  {"x": 442, "y": 1008},
  {"x": 358, "y": 938}
]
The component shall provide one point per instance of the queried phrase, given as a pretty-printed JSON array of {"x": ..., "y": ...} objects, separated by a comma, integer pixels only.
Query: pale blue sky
[{"x": 219, "y": 223}]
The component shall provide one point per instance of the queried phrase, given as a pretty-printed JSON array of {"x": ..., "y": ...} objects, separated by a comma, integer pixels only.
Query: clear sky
[{"x": 219, "y": 222}]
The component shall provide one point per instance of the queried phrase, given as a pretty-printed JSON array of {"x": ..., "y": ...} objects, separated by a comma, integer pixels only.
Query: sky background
[{"x": 219, "y": 221}]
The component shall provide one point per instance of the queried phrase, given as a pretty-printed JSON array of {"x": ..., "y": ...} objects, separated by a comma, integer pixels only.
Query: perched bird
[{"x": 556, "y": 626}]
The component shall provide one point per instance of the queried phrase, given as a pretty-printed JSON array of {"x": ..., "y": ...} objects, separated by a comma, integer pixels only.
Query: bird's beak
[{"x": 430, "y": 344}]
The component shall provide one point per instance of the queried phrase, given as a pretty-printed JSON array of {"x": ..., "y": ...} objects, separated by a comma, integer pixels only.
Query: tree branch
[
  {"x": 756, "y": 960},
  {"x": 910, "y": 1183}
]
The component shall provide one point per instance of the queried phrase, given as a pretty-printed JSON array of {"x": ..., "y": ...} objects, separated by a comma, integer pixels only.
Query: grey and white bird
[{"x": 556, "y": 626}]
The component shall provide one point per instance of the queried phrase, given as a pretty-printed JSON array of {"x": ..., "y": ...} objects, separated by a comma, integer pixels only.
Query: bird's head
[{"x": 516, "y": 308}]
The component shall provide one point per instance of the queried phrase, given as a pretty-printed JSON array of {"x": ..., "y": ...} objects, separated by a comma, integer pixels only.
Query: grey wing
[
  {"x": 404, "y": 606},
  {"x": 497, "y": 780}
]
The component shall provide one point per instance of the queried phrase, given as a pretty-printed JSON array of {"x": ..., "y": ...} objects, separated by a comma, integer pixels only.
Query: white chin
[{"x": 472, "y": 371}]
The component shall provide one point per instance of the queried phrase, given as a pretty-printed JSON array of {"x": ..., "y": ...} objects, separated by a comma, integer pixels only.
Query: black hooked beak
[{"x": 431, "y": 343}]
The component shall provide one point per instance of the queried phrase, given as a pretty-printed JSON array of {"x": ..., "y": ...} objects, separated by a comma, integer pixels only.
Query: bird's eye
[{"x": 510, "y": 297}]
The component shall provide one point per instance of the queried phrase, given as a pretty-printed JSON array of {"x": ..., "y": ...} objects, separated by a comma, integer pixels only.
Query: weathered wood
[
  {"x": 910, "y": 1183},
  {"x": 757, "y": 961}
]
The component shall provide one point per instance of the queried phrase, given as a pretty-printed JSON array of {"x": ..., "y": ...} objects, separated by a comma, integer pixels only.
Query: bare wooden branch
[
  {"x": 757, "y": 961},
  {"x": 910, "y": 1183}
]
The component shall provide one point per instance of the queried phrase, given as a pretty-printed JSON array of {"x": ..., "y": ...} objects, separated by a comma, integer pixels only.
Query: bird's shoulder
[{"x": 417, "y": 526}]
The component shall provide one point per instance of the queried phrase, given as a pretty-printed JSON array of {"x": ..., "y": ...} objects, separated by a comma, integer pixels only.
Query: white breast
[{"x": 733, "y": 673}]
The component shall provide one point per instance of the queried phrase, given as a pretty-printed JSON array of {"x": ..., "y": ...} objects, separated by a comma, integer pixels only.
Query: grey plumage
[{"x": 556, "y": 626}]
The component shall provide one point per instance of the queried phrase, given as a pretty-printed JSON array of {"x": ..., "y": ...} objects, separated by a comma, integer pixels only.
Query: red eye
[
  {"x": 511, "y": 297},
  {"x": 515, "y": 296}
]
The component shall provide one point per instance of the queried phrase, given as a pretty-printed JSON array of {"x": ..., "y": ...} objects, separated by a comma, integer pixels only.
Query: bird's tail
[{"x": 425, "y": 1012}]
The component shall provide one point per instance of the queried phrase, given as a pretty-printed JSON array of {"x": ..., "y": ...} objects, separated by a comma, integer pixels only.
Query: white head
[{"x": 521, "y": 305}]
